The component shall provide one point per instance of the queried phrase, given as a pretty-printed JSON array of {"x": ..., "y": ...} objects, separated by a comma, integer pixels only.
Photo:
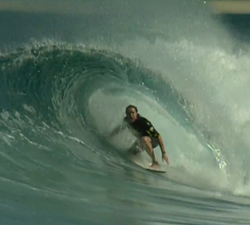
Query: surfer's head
[{"x": 131, "y": 113}]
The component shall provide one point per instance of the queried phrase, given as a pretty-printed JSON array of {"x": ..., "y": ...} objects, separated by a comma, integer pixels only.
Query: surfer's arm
[
  {"x": 152, "y": 132},
  {"x": 118, "y": 129},
  {"x": 162, "y": 146},
  {"x": 163, "y": 149}
]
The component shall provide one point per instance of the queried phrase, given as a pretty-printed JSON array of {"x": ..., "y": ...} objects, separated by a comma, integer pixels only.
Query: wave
[
  {"x": 52, "y": 92},
  {"x": 63, "y": 99},
  {"x": 65, "y": 80}
]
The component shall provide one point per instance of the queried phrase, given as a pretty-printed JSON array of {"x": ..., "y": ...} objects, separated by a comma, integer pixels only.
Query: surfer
[{"x": 147, "y": 136}]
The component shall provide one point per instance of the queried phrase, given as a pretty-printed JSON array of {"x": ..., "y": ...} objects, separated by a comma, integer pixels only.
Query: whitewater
[{"x": 65, "y": 81}]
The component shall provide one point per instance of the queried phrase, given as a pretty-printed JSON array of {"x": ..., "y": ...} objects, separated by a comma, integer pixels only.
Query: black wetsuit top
[{"x": 142, "y": 127}]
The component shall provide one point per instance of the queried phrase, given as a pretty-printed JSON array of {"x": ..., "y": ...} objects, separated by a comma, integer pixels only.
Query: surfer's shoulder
[{"x": 143, "y": 119}]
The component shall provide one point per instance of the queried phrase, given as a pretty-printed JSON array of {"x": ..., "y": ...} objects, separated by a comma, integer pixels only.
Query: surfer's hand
[{"x": 165, "y": 157}]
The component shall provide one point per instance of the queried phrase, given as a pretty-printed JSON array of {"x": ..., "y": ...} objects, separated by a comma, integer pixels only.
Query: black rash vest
[{"x": 143, "y": 127}]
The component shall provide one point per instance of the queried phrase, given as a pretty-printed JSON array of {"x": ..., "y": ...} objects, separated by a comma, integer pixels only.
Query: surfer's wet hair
[{"x": 129, "y": 107}]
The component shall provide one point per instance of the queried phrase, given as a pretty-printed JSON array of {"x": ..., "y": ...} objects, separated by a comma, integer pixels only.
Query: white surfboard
[
  {"x": 156, "y": 169},
  {"x": 139, "y": 160}
]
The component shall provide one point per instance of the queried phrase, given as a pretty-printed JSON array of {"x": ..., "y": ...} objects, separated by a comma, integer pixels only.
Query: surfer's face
[{"x": 132, "y": 114}]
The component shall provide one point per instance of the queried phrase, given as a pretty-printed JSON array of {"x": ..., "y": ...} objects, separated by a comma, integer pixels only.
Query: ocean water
[{"x": 65, "y": 80}]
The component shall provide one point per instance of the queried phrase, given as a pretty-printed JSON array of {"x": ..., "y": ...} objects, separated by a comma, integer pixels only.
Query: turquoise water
[{"x": 65, "y": 81}]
